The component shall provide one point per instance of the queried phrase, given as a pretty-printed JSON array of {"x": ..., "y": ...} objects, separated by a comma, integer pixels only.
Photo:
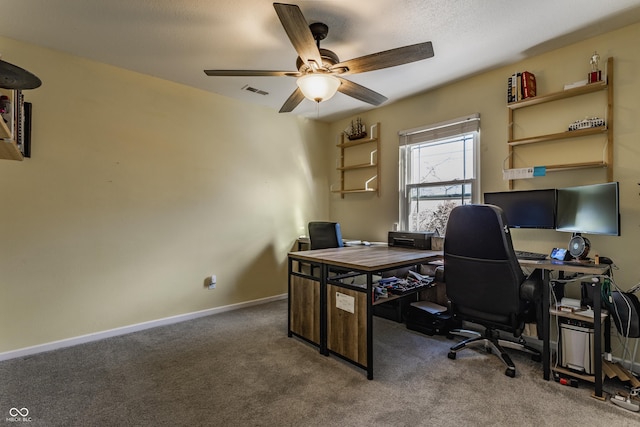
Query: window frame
[{"x": 453, "y": 130}]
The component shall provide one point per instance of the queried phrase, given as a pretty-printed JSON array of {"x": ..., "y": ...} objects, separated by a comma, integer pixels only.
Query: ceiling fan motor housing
[
  {"x": 319, "y": 31},
  {"x": 329, "y": 59}
]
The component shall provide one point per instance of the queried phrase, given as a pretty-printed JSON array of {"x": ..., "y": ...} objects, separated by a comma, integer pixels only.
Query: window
[{"x": 438, "y": 171}]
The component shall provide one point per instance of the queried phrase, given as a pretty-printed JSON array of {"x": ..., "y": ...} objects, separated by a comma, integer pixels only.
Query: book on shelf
[
  {"x": 514, "y": 87},
  {"x": 528, "y": 85},
  {"x": 521, "y": 86}
]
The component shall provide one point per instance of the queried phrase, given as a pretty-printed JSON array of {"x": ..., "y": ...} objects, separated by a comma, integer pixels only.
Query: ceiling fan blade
[
  {"x": 251, "y": 73},
  {"x": 292, "y": 102},
  {"x": 386, "y": 59},
  {"x": 297, "y": 29},
  {"x": 362, "y": 93}
]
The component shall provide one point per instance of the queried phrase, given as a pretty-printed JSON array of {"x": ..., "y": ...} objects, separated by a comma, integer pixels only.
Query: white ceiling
[{"x": 177, "y": 39}]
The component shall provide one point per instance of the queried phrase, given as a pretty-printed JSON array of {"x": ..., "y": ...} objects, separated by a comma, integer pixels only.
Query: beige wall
[
  {"x": 137, "y": 190},
  {"x": 485, "y": 94}
]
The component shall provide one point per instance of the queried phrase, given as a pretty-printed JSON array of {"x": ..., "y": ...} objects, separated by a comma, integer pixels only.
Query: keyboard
[{"x": 530, "y": 255}]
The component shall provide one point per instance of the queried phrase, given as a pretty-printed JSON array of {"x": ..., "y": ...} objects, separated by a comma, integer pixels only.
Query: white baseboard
[{"x": 69, "y": 342}]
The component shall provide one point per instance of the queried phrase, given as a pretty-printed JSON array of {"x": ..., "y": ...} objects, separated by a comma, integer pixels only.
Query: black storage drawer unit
[{"x": 422, "y": 321}]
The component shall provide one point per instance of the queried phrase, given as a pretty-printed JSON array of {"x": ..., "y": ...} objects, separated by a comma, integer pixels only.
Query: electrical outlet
[{"x": 212, "y": 282}]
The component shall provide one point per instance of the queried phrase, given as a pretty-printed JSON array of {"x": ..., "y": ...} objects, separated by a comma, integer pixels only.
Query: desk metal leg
[
  {"x": 546, "y": 353},
  {"x": 370, "y": 326},
  {"x": 289, "y": 270},
  {"x": 324, "y": 272},
  {"x": 597, "y": 346}
]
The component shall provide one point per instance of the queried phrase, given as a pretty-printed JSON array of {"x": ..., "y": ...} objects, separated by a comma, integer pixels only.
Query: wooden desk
[
  {"x": 588, "y": 269},
  {"x": 337, "y": 316},
  {"x": 315, "y": 317}
]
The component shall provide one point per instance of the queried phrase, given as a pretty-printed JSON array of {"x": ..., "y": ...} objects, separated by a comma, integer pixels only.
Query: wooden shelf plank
[
  {"x": 568, "y": 315},
  {"x": 562, "y": 135},
  {"x": 555, "y": 96},
  {"x": 590, "y": 378},
  {"x": 9, "y": 151},
  {"x": 572, "y": 166},
  {"x": 360, "y": 166},
  {"x": 4, "y": 130},
  {"x": 356, "y": 142},
  {"x": 357, "y": 190}
]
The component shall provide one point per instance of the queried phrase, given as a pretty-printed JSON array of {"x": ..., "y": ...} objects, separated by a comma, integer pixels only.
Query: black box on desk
[
  {"x": 396, "y": 309},
  {"x": 408, "y": 239},
  {"x": 430, "y": 318}
]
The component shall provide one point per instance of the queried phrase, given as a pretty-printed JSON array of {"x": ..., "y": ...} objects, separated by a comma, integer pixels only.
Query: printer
[{"x": 409, "y": 239}]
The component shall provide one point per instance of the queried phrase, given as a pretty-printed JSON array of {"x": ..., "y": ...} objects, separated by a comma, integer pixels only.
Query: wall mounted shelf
[
  {"x": 346, "y": 166},
  {"x": 607, "y": 130},
  {"x": 9, "y": 149}
]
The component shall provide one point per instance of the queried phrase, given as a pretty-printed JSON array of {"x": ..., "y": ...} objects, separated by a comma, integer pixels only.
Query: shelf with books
[
  {"x": 555, "y": 96},
  {"x": 607, "y": 130},
  {"x": 9, "y": 148}
]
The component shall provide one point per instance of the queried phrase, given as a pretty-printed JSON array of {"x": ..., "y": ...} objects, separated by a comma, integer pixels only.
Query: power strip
[
  {"x": 625, "y": 402},
  {"x": 520, "y": 173}
]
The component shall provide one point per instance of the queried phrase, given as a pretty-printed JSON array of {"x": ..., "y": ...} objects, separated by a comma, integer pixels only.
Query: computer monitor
[
  {"x": 526, "y": 209},
  {"x": 589, "y": 209}
]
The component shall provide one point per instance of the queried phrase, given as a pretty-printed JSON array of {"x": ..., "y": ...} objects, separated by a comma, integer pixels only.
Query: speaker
[{"x": 579, "y": 246}]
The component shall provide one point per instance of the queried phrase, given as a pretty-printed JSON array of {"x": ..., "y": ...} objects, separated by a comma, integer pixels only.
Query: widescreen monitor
[
  {"x": 589, "y": 209},
  {"x": 526, "y": 209}
]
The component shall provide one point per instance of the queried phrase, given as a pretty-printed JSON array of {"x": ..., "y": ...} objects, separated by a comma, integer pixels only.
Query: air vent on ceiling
[{"x": 254, "y": 90}]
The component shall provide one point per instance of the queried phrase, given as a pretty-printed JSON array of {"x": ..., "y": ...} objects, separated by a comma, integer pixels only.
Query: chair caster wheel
[
  {"x": 536, "y": 358},
  {"x": 510, "y": 372},
  {"x": 451, "y": 355}
]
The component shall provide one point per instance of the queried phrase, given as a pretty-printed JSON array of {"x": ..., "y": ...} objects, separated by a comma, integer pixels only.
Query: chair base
[{"x": 493, "y": 344}]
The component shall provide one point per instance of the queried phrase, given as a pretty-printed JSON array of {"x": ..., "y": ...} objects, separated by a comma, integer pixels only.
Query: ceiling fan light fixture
[{"x": 318, "y": 87}]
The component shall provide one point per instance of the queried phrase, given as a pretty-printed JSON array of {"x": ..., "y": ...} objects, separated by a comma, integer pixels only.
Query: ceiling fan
[{"x": 320, "y": 71}]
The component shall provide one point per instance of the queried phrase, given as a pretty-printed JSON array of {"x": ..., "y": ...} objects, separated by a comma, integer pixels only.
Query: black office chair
[
  {"x": 485, "y": 283},
  {"x": 325, "y": 235}
]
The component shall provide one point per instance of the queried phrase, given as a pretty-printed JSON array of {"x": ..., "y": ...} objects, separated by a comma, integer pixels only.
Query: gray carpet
[{"x": 240, "y": 369}]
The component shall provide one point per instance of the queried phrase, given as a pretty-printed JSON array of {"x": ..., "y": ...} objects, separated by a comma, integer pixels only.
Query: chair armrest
[{"x": 531, "y": 288}]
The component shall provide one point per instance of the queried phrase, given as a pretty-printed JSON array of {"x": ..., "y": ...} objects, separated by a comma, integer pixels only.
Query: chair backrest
[
  {"x": 482, "y": 272},
  {"x": 325, "y": 235}
]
